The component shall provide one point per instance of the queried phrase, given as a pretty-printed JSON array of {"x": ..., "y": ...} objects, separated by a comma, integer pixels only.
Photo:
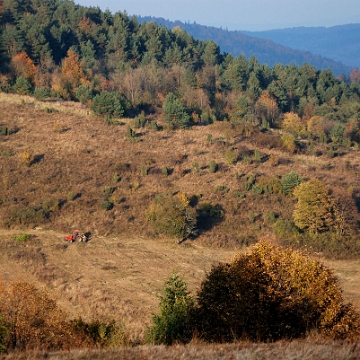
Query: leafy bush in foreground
[
  {"x": 272, "y": 293},
  {"x": 33, "y": 319}
]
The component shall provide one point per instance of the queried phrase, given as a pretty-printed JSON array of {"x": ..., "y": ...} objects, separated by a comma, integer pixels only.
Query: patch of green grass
[{"x": 22, "y": 237}]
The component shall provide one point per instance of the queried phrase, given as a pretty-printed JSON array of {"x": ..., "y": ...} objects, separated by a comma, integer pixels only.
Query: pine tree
[{"x": 170, "y": 325}]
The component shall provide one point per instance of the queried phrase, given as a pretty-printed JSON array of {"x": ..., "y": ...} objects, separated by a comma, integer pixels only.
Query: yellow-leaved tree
[
  {"x": 271, "y": 293},
  {"x": 315, "y": 209},
  {"x": 292, "y": 123}
]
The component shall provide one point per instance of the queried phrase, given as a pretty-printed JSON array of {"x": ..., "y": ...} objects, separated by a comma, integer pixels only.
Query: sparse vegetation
[{"x": 264, "y": 156}]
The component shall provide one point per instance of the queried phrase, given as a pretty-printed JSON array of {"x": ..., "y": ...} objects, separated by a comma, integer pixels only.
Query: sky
[{"x": 251, "y": 15}]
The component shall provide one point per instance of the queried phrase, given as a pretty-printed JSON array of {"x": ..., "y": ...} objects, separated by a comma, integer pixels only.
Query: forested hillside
[
  {"x": 278, "y": 46},
  {"x": 168, "y": 153},
  {"x": 340, "y": 43},
  {"x": 72, "y": 52}
]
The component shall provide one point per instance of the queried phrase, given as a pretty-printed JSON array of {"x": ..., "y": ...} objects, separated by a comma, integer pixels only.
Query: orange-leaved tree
[
  {"x": 22, "y": 65},
  {"x": 72, "y": 75}
]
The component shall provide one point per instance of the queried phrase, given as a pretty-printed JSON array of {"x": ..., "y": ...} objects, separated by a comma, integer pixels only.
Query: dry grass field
[
  {"x": 119, "y": 273},
  {"x": 311, "y": 349}
]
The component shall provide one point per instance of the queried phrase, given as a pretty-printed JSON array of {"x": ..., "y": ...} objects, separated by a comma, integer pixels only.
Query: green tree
[
  {"x": 175, "y": 112},
  {"x": 109, "y": 104},
  {"x": 170, "y": 325},
  {"x": 83, "y": 94},
  {"x": 290, "y": 181},
  {"x": 315, "y": 209},
  {"x": 22, "y": 86},
  {"x": 173, "y": 216}
]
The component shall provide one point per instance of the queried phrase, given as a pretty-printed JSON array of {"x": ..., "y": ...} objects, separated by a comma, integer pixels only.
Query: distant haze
[{"x": 253, "y": 15}]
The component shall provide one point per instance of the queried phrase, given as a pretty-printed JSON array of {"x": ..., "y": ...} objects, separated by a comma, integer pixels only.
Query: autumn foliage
[
  {"x": 23, "y": 66},
  {"x": 33, "y": 319},
  {"x": 272, "y": 293},
  {"x": 30, "y": 319}
]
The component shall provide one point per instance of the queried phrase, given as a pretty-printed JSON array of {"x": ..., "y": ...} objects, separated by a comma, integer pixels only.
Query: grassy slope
[{"x": 121, "y": 270}]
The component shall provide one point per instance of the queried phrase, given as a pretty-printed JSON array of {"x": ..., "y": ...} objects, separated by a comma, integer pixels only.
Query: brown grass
[
  {"x": 311, "y": 349},
  {"x": 80, "y": 155},
  {"x": 120, "y": 272}
]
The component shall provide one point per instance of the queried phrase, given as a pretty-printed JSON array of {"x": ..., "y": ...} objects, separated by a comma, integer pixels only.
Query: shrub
[
  {"x": 22, "y": 86},
  {"x": 165, "y": 171},
  {"x": 50, "y": 205},
  {"x": 271, "y": 293},
  {"x": 257, "y": 155},
  {"x": 109, "y": 103},
  {"x": 4, "y": 130},
  {"x": 130, "y": 134},
  {"x": 115, "y": 178},
  {"x": 290, "y": 181},
  {"x": 83, "y": 94},
  {"x": 33, "y": 319},
  {"x": 26, "y": 215},
  {"x": 71, "y": 196},
  {"x": 288, "y": 142},
  {"x": 213, "y": 166},
  {"x": 22, "y": 237},
  {"x": 330, "y": 244},
  {"x": 222, "y": 188},
  {"x": 249, "y": 181},
  {"x": 170, "y": 325},
  {"x": 285, "y": 229},
  {"x": 154, "y": 126},
  {"x": 172, "y": 215},
  {"x": 27, "y": 158},
  {"x": 230, "y": 157},
  {"x": 270, "y": 216},
  {"x": 140, "y": 121},
  {"x": 100, "y": 334},
  {"x": 41, "y": 93},
  {"x": 108, "y": 190},
  {"x": 252, "y": 216},
  {"x": 3, "y": 334},
  {"x": 209, "y": 215},
  {"x": 175, "y": 112},
  {"x": 107, "y": 205},
  {"x": 257, "y": 189}
]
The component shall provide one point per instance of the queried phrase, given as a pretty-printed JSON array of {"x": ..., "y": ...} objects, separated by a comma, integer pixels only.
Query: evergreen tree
[
  {"x": 170, "y": 325},
  {"x": 175, "y": 112}
]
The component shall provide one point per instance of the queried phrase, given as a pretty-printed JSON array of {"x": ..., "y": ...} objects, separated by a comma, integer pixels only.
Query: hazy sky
[{"x": 241, "y": 14}]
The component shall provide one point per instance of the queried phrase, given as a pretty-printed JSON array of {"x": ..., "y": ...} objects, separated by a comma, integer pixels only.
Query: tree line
[{"x": 60, "y": 49}]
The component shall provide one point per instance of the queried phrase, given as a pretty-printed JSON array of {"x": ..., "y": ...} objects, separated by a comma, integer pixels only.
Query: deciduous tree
[{"x": 315, "y": 209}]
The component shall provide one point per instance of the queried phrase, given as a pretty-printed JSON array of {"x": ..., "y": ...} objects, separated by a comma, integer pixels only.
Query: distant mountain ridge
[
  {"x": 340, "y": 43},
  {"x": 265, "y": 50}
]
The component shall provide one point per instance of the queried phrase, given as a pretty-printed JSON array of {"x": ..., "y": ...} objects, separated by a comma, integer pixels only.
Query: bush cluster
[
  {"x": 172, "y": 215},
  {"x": 30, "y": 319},
  {"x": 267, "y": 294}
]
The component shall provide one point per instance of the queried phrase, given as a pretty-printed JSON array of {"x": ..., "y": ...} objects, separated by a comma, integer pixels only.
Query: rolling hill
[{"x": 340, "y": 43}]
